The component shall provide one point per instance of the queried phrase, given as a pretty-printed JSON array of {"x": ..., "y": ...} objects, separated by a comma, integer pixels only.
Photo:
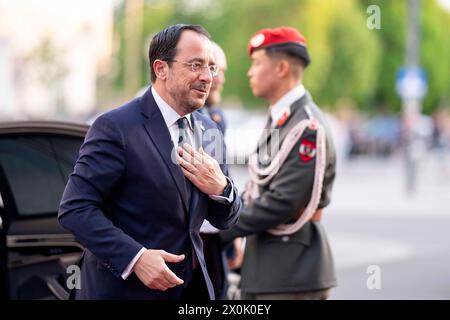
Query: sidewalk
[{"x": 377, "y": 187}]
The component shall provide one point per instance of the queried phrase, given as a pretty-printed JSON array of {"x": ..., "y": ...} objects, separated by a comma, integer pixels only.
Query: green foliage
[
  {"x": 435, "y": 55},
  {"x": 156, "y": 16},
  {"x": 392, "y": 40},
  {"x": 350, "y": 62},
  {"x": 345, "y": 53},
  {"x": 435, "y": 52}
]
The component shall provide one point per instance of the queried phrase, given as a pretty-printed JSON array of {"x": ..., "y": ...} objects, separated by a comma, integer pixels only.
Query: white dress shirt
[
  {"x": 170, "y": 118},
  {"x": 284, "y": 103}
]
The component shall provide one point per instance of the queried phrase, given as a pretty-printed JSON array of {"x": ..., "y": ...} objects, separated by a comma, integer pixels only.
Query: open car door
[{"x": 36, "y": 159}]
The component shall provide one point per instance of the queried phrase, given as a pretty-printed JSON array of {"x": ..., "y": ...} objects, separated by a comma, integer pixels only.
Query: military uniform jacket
[{"x": 301, "y": 261}]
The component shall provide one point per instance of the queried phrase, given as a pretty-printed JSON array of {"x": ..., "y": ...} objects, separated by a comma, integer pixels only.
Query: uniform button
[{"x": 285, "y": 239}]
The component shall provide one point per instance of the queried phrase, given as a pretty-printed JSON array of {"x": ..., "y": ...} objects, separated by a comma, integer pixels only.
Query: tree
[
  {"x": 350, "y": 62},
  {"x": 435, "y": 55},
  {"x": 345, "y": 52}
]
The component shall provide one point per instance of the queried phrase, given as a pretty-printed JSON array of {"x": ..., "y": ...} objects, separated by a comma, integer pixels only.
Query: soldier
[{"x": 287, "y": 255}]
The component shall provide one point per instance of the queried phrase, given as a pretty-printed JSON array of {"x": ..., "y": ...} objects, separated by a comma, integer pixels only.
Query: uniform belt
[{"x": 317, "y": 216}]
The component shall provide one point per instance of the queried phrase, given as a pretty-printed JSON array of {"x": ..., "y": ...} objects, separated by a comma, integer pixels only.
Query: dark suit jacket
[
  {"x": 301, "y": 261},
  {"x": 126, "y": 193},
  {"x": 215, "y": 253},
  {"x": 217, "y": 115}
]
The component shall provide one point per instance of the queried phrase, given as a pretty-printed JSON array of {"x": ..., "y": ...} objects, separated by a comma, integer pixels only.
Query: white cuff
[
  {"x": 207, "y": 227},
  {"x": 222, "y": 199},
  {"x": 130, "y": 266}
]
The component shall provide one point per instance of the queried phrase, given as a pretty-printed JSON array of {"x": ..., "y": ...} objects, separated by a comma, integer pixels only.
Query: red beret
[{"x": 278, "y": 36}]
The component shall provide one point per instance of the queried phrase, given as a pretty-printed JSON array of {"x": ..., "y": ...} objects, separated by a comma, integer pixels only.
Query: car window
[
  {"x": 66, "y": 152},
  {"x": 36, "y": 169}
]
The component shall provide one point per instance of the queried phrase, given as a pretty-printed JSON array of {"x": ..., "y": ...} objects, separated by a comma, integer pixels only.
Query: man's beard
[
  {"x": 185, "y": 103},
  {"x": 191, "y": 107}
]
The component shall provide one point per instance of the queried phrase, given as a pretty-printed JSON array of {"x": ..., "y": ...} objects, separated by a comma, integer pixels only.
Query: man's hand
[
  {"x": 202, "y": 170},
  {"x": 152, "y": 270}
]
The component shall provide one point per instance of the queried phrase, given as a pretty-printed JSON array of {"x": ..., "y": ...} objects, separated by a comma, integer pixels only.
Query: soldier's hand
[
  {"x": 236, "y": 262},
  {"x": 152, "y": 270},
  {"x": 202, "y": 170}
]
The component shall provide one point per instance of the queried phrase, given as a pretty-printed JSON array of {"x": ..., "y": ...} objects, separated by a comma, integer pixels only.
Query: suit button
[{"x": 285, "y": 238}]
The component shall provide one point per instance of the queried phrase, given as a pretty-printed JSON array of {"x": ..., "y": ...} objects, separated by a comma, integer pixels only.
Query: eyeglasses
[{"x": 198, "y": 67}]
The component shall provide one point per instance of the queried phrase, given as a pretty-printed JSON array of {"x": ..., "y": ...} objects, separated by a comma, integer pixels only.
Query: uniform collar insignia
[{"x": 283, "y": 118}]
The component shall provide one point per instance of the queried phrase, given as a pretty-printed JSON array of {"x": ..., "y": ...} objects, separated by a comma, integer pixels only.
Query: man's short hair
[
  {"x": 290, "y": 50},
  {"x": 164, "y": 44}
]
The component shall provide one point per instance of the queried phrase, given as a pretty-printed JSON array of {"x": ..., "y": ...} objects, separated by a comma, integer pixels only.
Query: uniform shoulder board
[
  {"x": 308, "y": 147},
  {"x": 309, "y": 112},
  {"x": 312, "y": 120}
]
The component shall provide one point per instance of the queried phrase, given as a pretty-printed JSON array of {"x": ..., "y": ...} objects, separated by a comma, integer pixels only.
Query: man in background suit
[
  {"x": 143, "y": 183},
  {"x": 212, "y": 105},
  {"x": 215, "y": 256}
]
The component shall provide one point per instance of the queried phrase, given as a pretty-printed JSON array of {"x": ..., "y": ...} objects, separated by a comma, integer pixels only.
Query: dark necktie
[
  {"x": 183, "y": 138},
  {"x": 183, "y": 126}
]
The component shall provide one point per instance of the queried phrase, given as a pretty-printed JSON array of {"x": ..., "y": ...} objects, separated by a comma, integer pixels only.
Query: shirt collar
[
  {"x": 283, "y": 105},
  {"x": 169, "y": 114}
]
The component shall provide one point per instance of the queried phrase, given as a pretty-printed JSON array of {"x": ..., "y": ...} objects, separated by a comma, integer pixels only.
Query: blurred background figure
[
  {"x": 212, "y": 247},
  {"x": 212, "y": 107},
  {"x": 440, "y": 141}
]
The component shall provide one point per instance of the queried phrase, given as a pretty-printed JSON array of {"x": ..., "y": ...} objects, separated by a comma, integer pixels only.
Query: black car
[{"x": 36, "y": 159}]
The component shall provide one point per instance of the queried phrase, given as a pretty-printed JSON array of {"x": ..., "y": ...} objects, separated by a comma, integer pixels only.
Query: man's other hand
[{"x": 152, "y": 270}]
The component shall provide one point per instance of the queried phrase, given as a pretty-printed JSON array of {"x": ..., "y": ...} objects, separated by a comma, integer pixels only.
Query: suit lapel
[{"x": 160, "y": 136}]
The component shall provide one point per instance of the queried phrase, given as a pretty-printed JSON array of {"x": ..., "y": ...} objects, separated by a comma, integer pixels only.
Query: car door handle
[{"x": 56, "y": 288}]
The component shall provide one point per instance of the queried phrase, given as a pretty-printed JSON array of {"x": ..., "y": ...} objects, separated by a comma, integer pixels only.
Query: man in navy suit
[{"x": 147, "y": 176}]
